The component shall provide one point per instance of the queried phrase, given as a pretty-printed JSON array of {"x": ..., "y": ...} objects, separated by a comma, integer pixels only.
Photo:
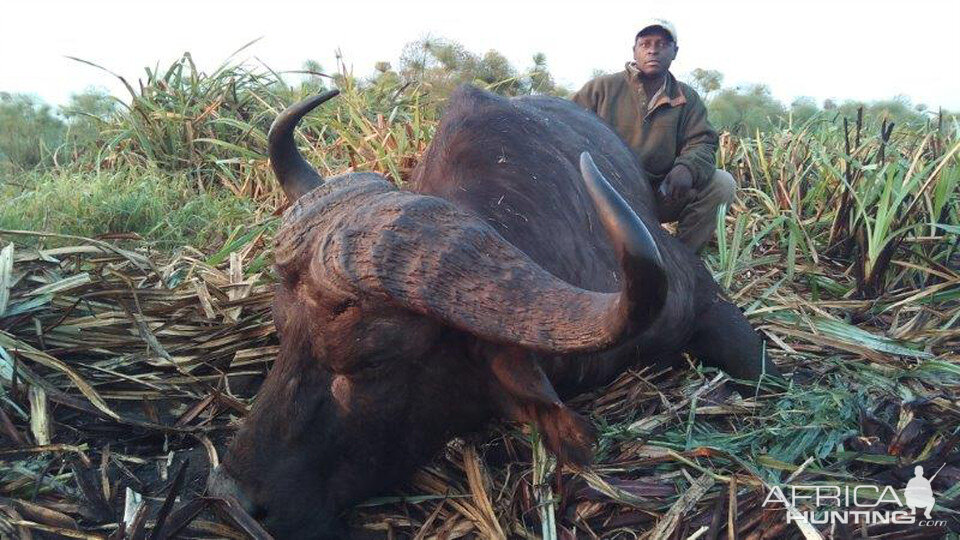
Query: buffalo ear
[{"x": 526, "y": 395}]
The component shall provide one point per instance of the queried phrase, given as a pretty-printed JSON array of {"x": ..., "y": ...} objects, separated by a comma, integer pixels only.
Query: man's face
[{"x": 654, "y": 51}]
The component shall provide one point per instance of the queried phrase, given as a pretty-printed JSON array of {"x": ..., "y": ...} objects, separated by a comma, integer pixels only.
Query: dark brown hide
[
  {"x": 511, "y": 267},
  {"x": 513, "y": 163}
]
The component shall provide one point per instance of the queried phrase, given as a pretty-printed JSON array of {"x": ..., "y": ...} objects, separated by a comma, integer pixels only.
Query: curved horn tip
[
  {"x": 587, "y": 164},
  {"x": 292, "y": 114},
  {"x": 619, "y": 218},
  {"x": 295, "y": 175},
  {"x": 591, "y": 173}
]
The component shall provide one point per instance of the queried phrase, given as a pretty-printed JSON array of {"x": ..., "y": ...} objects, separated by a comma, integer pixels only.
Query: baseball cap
[{"x": 662, "y": 23}]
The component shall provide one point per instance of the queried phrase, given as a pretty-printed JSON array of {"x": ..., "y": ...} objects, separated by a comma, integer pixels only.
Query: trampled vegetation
[{"x": 134, "y": 320}]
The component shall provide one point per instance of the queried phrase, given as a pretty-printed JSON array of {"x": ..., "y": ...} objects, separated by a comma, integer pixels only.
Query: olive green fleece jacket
[{"x": 672, "y": 130}]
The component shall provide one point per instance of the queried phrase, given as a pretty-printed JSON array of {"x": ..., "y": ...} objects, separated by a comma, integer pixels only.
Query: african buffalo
[{"x": 512, "y": 270}]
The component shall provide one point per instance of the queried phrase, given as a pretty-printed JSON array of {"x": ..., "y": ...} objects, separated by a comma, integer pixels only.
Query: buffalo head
[{"x": 405, "y": 320}]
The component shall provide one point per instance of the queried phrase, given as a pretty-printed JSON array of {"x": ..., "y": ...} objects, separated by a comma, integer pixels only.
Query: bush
[
  {"x": 29, "y": 130},
  {"x": 803, "y": 109},
  {"x": 441, "y": 65},
  {"x": 744, "y": 111},
  {"x": 87, "y": 114},
  {"x": 161, "y": 208}
]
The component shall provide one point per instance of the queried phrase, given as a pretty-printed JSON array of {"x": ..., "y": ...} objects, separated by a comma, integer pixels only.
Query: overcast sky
[{"x": 865, "y": 50}]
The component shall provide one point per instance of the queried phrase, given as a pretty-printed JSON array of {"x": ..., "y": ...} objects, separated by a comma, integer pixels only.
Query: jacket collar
[{"x": 670, "y": 94}]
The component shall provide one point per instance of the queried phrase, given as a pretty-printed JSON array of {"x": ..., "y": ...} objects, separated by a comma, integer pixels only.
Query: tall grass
[
  {"x": 157, "y": 207},
  {"x": 184, "y": 161},
  {"x": 876, "y": 200},
  {"x": 884, "y": 207}
]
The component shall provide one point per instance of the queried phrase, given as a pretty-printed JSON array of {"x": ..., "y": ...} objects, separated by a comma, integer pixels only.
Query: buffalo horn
[
  {"x": 645, "y": 282},
  {"x": 434, "y": 258},
  {"x": 295, "y": 175}
]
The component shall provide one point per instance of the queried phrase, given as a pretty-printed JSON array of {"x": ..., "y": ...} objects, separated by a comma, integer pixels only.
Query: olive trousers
[{"x": 696, "y": 216}]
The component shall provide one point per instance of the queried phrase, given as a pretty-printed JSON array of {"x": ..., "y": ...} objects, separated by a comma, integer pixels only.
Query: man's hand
[{"x": 678, "y": 183}]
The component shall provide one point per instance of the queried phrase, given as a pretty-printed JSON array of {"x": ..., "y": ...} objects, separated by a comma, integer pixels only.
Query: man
[{"x": 665, "y": 123}]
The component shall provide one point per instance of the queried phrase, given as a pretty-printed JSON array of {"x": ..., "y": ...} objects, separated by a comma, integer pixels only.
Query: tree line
[{"x": 34, "y": 133}]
